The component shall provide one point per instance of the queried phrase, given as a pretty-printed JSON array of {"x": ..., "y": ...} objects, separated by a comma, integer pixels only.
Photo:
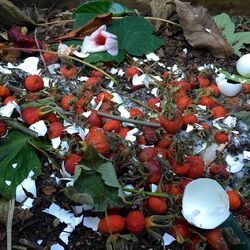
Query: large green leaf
[
  {"x": 82, "y": 18},
  {"x": 135, "y": 35},
  {"x": 17, "y": 159},
  {"x": 96, "y": 183},
  {"x": 227, "y": 27},
  {"x": 102, "y": 7},
  {"x": 234, "y": 78}
]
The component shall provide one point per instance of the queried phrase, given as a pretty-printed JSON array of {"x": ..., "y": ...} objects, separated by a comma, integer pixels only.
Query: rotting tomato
[
  {"x": 4, "y": 91},
  {"x": 217, "y": 112},
  {"x": 189, "y": 118},
  {"x": 99, "y": 141},
  {"x": 49, "y": 58},
  {"x": 165, "y": 140},
  {"x": 93, "y": 81},
  {"x": 123, "y": 132},
  {"x": 173, "y": 125},
  {"x": 184, "y": 102},
  {"x": 134, "y": 112},
  {"x": 156, "y": 172},
  {"x": 55, "y": 130},
  {"x": 112, "y": 125},
  {"x": 203, "y": 81},
  {"x": 218, "y": 172},
  {"x": 66, "y": 101},
  {"x": 181, "y": 168},
  {"x": 157, "y": 205},
  {"x": 216, "y": 239},
  {"x": 221, "y": 137},
  {"x": 94, "y": 119},
  {"x": 70, "y": 162},
  {"x": 104, "y": 96},
  {"x": 8, "y": 99},
  {"x": 154, "y": 103},
  {"x": 207, "y": 101},
  {"x": 180, "y": 231},
  {"x": 196, "y": 166},
  {"x": 234, "y": 199},
  {"x": 131, "y": 72},
  {"x": 3, "y": 128},
  {"x": 68, "y": 72},
  {"x": 147, "y": 154},
  {"x": 212, "y": 90},
  {"x": 149, "y": 134}
]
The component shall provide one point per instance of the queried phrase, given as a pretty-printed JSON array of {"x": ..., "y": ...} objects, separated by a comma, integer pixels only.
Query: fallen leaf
[
  {"x": 49, "y": 190},
  {"x": 23, "y": 215},
  {"x": 10, "y": 14},
  {"x": 7, "y": 54},
  {"x": 88, "y": 28},
  {"x": 201, "y": 31}
]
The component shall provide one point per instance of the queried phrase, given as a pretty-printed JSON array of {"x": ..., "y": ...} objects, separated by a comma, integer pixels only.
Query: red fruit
[
  {"x": 179, "y": 94},
  {"x": 135, "y": 222},
  {"x": 218, "y": 111},
  {"x": 203, "y": 82},
  {"x": 196, "y": 166},
  {"x": 96, "y": 73},
  {"x": 123, "y": 132},
  {"x": 149, "y": 134},
  {"x": 218, "y": 172},
  {"x": 99, "y": 141},
  {"x": 8, "y": 99},
  {"x": 71, "y": 161},
  {"x": 207, "y": 101},
  {"x": 220, "y": 137},
  {"x": 165, "y": 141},
  {"x": 80, "y": 103},
  {"x": 189, "y": 119},
  {"x": 181, "y": 168},
  {"x": 66, "y": 101},
  {"x": 154, "y": 103},
  {"x": 184, "y": 182},
  {"x": 51, "y": 117},
  {"x": 4, "y": 91},
  {"x": 180, "y": 231},
  {"x": 156, "y": 172},
  {"x": 184, "y": 102},
  {"x": 162, "y": 152},
  {"x": 147, "y": 154},
  {"x": 246, "y": 88},
  {"x": 34, "y": 83},
  {"x": 50, "y": 58},
  {"x": 93, "y": 80},
  {"x": 157, "y": 205},
  {"x": 31, "y": 115},
  {"x": 68, "y": 73},
  {"x": 194, "y": 242},
  {"x": 184, "y": 84},
  {"x": 141, "y": 140},
  {"x": 112, "y": 125},
  {"x": 212, "y": 90},
  {"x": 173, "y": 189},
  {"x": 131, "y": 71},
  {"x": 3, "y": 128},
  {"x": 33, "y": 96},
  {"x": 104, "y": 96},
  {"x": 216, "y": 239},
  {"x": 113, "y": 223},
  {"x": 172, "y": 125},
  {"x": 245, "y": 208},
  {"x": 234, "y": 199},
  {"x": 205, "y": 126},
  {"x": 94, "y": 119},
  {"x": 55, "y": 130},
  {"x": 134, "y": 112}
]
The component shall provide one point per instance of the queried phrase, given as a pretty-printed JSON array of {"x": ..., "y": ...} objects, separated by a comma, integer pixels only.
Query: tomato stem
[{"x": 147, "y": 193}]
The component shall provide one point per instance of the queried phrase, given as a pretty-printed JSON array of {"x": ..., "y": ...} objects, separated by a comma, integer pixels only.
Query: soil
[{"x": 33, "y": 225}]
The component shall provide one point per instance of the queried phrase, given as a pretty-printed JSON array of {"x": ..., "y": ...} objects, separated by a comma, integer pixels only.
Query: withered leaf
[
  {"x": 88, "y": 28},
  {"x": 200, "y": 30},
  {"x": 8, "y": 53}
]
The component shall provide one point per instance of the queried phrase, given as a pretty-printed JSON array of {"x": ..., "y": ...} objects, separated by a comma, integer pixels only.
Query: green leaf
[
  {"x": 102, "y": 7},
  {"x": 96, "y": 183},
  {"x": 225, "y": 24},
  {"x": 135, "y": 35},
  {"x": 245, "y": 242},
  {"x": 243, "y": 116},
  {"x": 235, "y": 78},
  {"x": 15, "y": 149},
  {"x": 82, "y": 18},
  {"x": 39, "y": 103}
]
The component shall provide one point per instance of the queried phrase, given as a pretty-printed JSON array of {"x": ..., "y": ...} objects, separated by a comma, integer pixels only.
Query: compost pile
[{"x": 100, "y": 145}]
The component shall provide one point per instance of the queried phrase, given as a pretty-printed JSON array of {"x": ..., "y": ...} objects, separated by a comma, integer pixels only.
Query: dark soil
[{"x": 37, "y": 225}]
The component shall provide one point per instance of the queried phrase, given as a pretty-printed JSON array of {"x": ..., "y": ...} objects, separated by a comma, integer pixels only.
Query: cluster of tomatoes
[{"x": 157, "y": 150}]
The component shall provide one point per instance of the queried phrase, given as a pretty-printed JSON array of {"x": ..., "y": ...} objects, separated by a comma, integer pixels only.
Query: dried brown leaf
[
  {"x": 200, "y": 30},
  {"x": 10, "y": 14},
  {"x": 88, "y": 28},
  {"x": 7, "y": 54}
]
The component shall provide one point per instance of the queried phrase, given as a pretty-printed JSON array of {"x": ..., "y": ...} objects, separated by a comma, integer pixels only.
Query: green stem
[
  {"x": 147, "y": 193},
  {"x": 9, "y": 223},
  {"x": 119, "y": 118}
]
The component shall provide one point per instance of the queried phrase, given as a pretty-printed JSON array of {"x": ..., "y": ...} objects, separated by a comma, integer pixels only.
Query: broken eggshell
[
  {"x": 205, "y": 203},
  {"x": 243, "y": 66},
  {"x": 227, "y": 88}
]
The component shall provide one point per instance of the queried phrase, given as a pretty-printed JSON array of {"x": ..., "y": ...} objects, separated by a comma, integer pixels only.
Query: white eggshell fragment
[
  {"x": 226, "y": 88},
  {"x": 205, "y": 203},
  {"x": 243, "y": 66}
]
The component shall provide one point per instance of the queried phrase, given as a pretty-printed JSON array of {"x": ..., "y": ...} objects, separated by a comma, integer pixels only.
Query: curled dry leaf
[
  {"x": 88, "y": 28},
  {"x": 201, "y": 31}
]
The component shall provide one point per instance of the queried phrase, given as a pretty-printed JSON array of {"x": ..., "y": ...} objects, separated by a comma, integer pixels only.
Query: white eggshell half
[
  {"x": 226, "y": 88},
  {"x": 205, "y": 203},
  {"x": 243, "y": 66}
]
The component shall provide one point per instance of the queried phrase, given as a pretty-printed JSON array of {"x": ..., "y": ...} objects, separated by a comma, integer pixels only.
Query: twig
[
  {"x": 56, "y": 22},
  {"x": 115, "y": 117},
  {"x": 16, "y": 89},
  {"x": 30, "y": 244},
  {"x": 9, "y": 223},
  {"x": 17, "y": 125},
  {"x": 38, "y": 46}
]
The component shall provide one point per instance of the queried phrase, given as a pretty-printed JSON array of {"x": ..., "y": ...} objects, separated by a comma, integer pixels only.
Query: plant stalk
[
  {"x": 147, "y": 193},
  {"x": 9, "y": 223}
]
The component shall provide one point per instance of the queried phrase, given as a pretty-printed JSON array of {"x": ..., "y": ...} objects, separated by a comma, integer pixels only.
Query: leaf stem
[
  {"x": 147, "y": 193},
  {"x": 119, "y": 118},
  {"x": 9, "y": 223},
  {"x": 17, "y": 125}
]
